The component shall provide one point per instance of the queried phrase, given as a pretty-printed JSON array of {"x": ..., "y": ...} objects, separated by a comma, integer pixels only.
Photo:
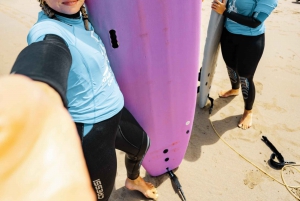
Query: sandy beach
[{"x": 211, "y": 169}]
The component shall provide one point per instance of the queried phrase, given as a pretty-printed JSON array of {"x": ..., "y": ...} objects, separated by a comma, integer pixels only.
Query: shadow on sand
[{"x": 203, "y": 133}]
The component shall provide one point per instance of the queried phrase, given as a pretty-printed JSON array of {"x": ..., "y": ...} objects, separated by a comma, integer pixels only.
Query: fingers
[
  {"x": 219, "y": 3},
  {"x": 216, "y": 4}
]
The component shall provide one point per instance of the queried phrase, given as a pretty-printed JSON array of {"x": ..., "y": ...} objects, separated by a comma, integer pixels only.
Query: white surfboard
[{"x": 210, "y": 55}]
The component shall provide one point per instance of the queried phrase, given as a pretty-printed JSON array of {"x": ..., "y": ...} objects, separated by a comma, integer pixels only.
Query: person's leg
[
  {"x": 133, "y": 140},
  {"x": 39, "y": 146},
  {"x": 229, "y": 51},
  {"x": 249, "y": 54},
  {"x": 100, "y": 156}
]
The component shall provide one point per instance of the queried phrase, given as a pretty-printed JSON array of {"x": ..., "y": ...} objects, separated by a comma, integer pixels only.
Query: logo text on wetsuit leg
[{"x": 99, "y": 188}]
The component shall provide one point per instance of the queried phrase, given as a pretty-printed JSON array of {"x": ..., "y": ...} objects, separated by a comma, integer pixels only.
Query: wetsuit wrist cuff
[{"x": 226, "y": 13}]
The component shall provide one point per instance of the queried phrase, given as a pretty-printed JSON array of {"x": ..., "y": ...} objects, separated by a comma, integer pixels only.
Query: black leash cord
[{"x": 176, "y": 181}]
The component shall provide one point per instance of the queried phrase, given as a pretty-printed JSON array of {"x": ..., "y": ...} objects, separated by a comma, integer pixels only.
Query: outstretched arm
[{"x": 40, "y": 152}]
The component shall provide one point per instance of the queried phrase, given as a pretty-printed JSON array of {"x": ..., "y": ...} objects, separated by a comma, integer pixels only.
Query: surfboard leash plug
[
  {"x": 176, "y": 182},
  {"x": 211, "y": 103}
]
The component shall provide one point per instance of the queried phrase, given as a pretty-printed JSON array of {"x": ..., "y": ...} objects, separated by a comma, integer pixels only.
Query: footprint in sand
[
  {"x": 292, "y": 69},
  {"x": 277, "y": 11},
  {"x": 259, "y": 87},
  {"x": 253, "y": 178},
  {"x": 273, "y": 106}
]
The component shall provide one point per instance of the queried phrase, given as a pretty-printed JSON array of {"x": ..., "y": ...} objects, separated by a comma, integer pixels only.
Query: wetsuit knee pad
[
  {"x": 248, "y": 90},
  {"x": 48, "y": 61},
  {"x": 234, "y": 78},
  {"x": 245, "y": 87}
]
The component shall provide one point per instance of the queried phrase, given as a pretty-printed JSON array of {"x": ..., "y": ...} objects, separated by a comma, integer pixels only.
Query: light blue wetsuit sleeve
[
  {"x": 261, "y": 16},
  {"x": 264, "y": 8},
  {"x": 40, "y": 29}
]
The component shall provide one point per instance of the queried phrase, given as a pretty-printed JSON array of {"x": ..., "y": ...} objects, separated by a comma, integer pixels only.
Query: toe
[
  {"x": 151, "y": 195},
  {"x": 222, "y": 94}
]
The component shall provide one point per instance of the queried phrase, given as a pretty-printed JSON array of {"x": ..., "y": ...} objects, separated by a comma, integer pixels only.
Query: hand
[
  {"x": 218, "y": 6},
  {"x": 39, "y": 145}
]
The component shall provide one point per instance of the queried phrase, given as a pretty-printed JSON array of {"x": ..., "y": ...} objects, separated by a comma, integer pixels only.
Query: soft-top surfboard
[
  {"x": 210, "y": 55},
  {"x": 153, "y": 48}
]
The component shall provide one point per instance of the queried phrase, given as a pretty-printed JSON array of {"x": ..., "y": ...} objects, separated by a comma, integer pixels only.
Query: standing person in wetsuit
[
  {"x": 93, "y": 97},
  {"x": 242, "y": 45}
]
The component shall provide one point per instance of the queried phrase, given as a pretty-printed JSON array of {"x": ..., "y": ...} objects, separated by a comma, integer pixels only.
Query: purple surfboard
[{"x": 153, "y": 47}]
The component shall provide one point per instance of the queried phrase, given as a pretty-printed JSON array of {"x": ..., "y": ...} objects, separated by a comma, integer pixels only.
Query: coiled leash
[
  {"x": 277, "y": 165},
  {"x": 283, "y": 165}
]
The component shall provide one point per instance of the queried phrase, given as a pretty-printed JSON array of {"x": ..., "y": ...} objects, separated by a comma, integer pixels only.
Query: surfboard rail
[{"x": 210, "y": 55}]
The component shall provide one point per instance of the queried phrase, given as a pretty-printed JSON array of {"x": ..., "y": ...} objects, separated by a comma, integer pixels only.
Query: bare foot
[
  {"x": 139, "y": 184},
  {"x": 231, "y": 92},
  {"x": 246, "y": 120}
]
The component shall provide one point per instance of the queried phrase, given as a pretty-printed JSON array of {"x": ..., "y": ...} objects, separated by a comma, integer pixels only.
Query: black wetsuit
[
  {"x": 121, "y": 131},
  {"x": 242, "y": 54}
]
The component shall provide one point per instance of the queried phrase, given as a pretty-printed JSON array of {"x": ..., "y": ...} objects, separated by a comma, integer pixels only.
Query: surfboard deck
[
  {"x": 153, "y": 47},
  {"x": 210, "y": 55}
]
